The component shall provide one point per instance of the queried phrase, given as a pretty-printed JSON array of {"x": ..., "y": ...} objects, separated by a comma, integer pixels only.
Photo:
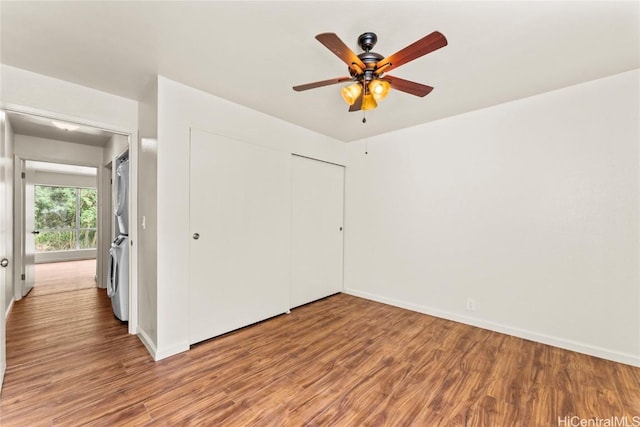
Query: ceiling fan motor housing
[
  {"x": 370, "y": 59},
  {"x": 366, "y": 41}
]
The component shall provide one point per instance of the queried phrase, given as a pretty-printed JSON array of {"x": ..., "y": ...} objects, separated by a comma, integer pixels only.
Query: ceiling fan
[{"x": 367, "y": 70}]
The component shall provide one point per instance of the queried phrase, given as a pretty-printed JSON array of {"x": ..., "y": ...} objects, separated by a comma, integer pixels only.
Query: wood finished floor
[
  {"x": 342, "y": 361},
  {"x": 51, "y": 278}
]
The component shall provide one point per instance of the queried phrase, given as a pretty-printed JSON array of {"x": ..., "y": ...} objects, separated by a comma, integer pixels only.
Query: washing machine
[
  {"x": 118, "y": 281},
  {"x": 122, "y": 197}
]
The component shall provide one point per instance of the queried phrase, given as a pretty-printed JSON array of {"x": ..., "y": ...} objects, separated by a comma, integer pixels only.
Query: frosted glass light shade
[
  {"x": 369, "y": 102},
  {"x": 351, "y": 93},
  {"x": 379, "y": 89}
]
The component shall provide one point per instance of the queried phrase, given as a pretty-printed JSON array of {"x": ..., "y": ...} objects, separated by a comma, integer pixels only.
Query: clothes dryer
[
  {"x": 118, "y": 282},
  {"x": 122, "y": 197}
]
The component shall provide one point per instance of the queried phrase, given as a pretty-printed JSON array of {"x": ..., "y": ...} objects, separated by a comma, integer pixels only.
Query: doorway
[
  {"x": 39, "y": 137},
  {"x": 47, "y": 148},
  {"x": 61, "y": 218},
  {"x": 72, "y": 158}
]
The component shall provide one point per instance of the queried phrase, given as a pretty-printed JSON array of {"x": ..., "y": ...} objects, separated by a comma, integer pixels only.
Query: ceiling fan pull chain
[{"x": 365, "y": 86}]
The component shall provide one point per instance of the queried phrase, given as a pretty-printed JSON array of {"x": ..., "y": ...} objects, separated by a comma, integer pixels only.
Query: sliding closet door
[
  {"x": 317, "y": 212},
  {"x": 240, "y": 234}
]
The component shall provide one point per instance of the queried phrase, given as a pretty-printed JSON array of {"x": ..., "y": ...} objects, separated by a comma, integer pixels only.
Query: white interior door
[
  {"x": 317, "y": 212},
  {"x": 29, "y": 256},
  {"x": 4, "y": 250},
  {"x": 239, "y": 220}
]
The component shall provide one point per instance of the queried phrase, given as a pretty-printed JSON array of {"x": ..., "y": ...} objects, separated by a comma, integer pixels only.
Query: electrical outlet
[{"x": 471, "y": 304}]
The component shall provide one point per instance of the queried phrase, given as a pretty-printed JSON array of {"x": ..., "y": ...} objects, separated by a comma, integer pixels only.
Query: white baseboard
[
  {"x": 603, "y": 353},
  {"x": 64, "y": 256},
  {"x": 9, "y": 308},
  {"x": 162, "y": 353},
  {"x": 3, "y": 369},
  {"x": 148, "y": 343}
]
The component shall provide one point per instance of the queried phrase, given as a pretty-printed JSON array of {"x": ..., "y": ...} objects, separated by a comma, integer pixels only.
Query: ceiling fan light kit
[
  {"x": 370, "y": 84},
  {"x": 351, "y": 93},
  {"x": 368, "y": 102},
  {"x": 379, "y": 89}
]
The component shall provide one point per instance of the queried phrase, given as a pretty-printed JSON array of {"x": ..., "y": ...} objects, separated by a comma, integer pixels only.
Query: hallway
[{"x": 56, "y": 277}]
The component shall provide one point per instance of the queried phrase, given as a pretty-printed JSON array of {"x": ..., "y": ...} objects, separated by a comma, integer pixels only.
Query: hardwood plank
[
  {"x": 209, "y": 408},
  {"x": 134, "y": 415},
  {"x": 339, "y": 361},
  {"x": 57, "y": 277}
]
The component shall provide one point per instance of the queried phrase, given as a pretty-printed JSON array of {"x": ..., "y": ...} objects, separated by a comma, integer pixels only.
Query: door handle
[
  {"x": 4, "y": 262},
  {"x": 35, "y": 232},
  {"x": 196, "y": 236}
]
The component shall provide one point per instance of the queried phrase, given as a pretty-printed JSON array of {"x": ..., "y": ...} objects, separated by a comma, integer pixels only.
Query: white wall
[
  {"x": 54, "y": 151},
  {"x": 147, "y": 207},
  {"x": 531, "y": 208},
  {"x": 117, "y": 145},
  {"x": 148, "y": 111},
  {"x": 180, "y": 108},
  {"x": 31, "y": 92}
]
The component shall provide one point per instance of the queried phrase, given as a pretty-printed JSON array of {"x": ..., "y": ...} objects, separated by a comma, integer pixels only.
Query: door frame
[
  {"x": 27, "y": 255},
  {"x": 18, "y": 225},
  {"x": 6, "y": 251},
  {"x": 21, "y": 210},
  {"x": 133, "y": 193}
]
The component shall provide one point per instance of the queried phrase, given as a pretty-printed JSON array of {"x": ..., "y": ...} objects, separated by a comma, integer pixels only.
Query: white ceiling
[
  {"x": 252, "y": 53},
  {"x": 25, "y": 124}
]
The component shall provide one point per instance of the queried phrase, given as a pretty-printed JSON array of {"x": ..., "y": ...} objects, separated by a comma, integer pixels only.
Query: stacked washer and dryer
[{"x": 118, "y": 281}]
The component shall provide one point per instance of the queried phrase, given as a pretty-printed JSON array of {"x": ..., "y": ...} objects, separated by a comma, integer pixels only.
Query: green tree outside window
[{"x": 66, "y": 218}]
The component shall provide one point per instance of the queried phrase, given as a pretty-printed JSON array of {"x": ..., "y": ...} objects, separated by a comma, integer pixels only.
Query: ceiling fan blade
[
  {"x": 415, "y": 50},
  {"x": 357, "y": 106},
  {"x": 341, "y": 50},
  {"x": 417, "y": 89},
  {"x": 314, "y": 85}
]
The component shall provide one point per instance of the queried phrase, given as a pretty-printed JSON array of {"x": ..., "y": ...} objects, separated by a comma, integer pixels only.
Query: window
[{"x": 66, "y": 218}]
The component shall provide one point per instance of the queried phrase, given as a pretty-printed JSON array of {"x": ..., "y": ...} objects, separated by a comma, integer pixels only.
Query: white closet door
[
  {"x": 239, "y": 265},
  {"x": 317, "y": 212}
]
